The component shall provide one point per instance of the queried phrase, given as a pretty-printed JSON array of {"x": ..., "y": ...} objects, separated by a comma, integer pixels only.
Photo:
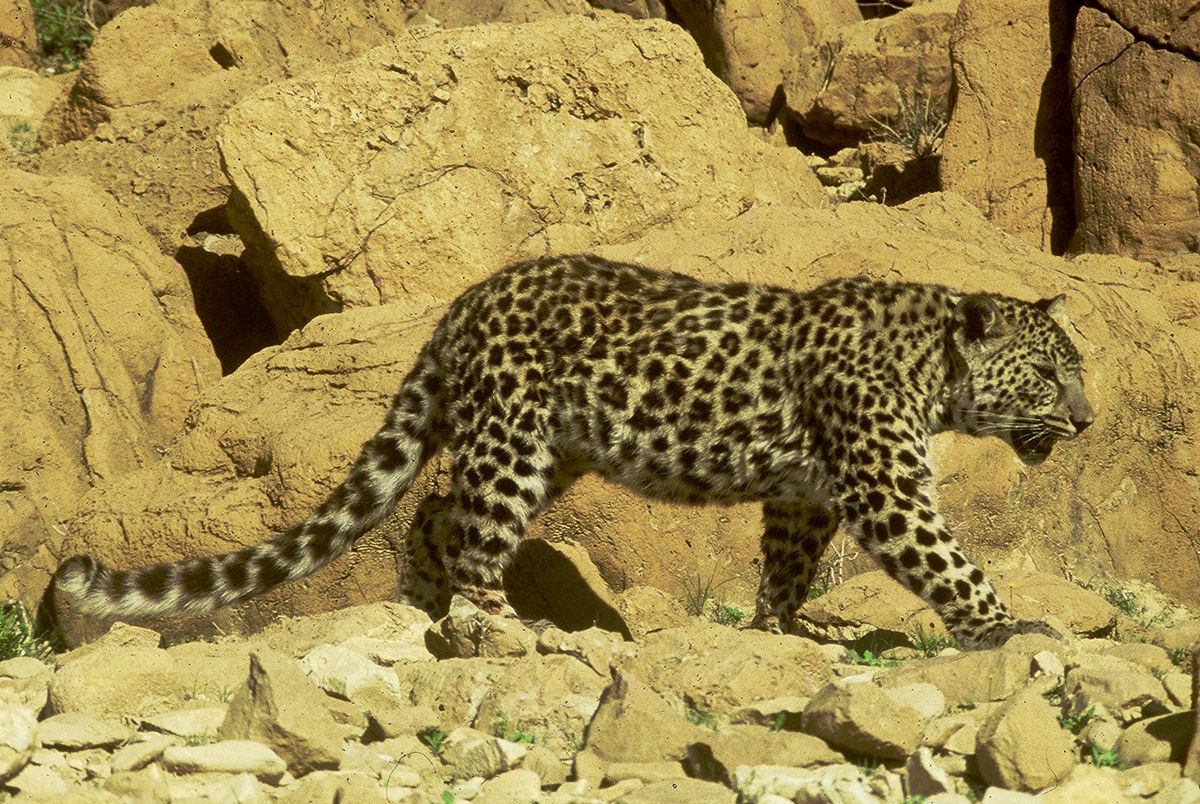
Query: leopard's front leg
[{"x": 894, "y": 519}]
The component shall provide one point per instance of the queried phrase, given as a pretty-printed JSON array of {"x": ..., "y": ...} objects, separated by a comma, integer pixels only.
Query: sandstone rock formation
[
  {"x": 1136, "y": 73},
  {"x": 752, "y": 44},
  {"x": 1006, "y": 148},
  {"x": 413, "y": 189},
  {"x": 103, "y": 356}
]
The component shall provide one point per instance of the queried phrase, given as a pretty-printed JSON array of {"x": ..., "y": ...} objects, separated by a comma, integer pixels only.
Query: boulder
[
  {"x": 751, "y": 44},
  {"x": 1005, "y": 150},
  {"x": 466, "y": 150},
  {"x": 879, "y": 77},
  {"x": 104, "y": 356},
  {"x": 143, "y": 111},
  {"x": 1137, "y": 151}
]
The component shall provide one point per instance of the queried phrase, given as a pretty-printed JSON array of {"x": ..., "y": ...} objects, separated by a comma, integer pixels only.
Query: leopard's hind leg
[
  {"x": 505, "y": 474},
  {"x": 794, "y": 537}
]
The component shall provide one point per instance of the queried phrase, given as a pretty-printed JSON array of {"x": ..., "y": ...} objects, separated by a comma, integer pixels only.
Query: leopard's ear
[
  {"x": 1054, "y": 307},
  {"x": 978, "y": 318}
]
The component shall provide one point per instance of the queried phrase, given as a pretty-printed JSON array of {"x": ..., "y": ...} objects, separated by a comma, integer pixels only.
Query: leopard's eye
[{"x": 1046, "y": 372}]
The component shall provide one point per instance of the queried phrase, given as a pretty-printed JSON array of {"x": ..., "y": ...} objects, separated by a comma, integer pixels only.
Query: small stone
[
  {"x": 350, "y": 675},
  {"x": 39, "y": 783},
  {"x": 1085, "y": 783},
  {"x": 281, "y": 707},
  {"x": 1021, "y": 746},
  {"x": 23, "y": 667},
  {"x": 680, "y": 791},
  {"x": 1179, "y": 689},
  {"x": 717, "y": 756},
  {"x": 846, "y": 156},
  {"x": 829, "y": 783},
  {"x": 467, "y": 632},
  {"x": 147, "y": 784},
  {"x": 387, "y": 652},
  {"x": 595, "y": 647},
  {"x": 400, "y": 718},
  {"x": 473, "y": 753},
  {"x": 1112, "y": 685},
  {"x": 515, "y": 786},
  {"x": 330, "y": 786},
  {"x": 1000, "y": 795},
  {"x": 1102, "y": 733},
  {"x": 835, "y": 176},
  {"x": 645, "y": 772},
  {"x": 546, "y": 764},
  {"x": 73, "y": 730},
  {"x": 779, "y": 713},
  {"x": 1144, "y": 781},
  {"x": 467, "y": 789},
  {"x": 242, "y": 789},
  {"x": 926, "y": 699},
  {"x": 1157, "y": 739},
  {"x": 140, "y": 753},
  {"x": 228, "y": 756},
  {"x": 924, "y": 776},
  {"x": 1046, "y": 663},
  {"x": 195, "y": 723},
  {"x": 18, "y": 736},
  {"x": 860, "y": 717},
  {"x": 633, "y": 723},
  {"x": 1180, "y": 791}
]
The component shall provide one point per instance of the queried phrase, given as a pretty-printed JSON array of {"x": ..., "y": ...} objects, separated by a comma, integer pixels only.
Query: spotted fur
[{"x": 818, "y": 404}]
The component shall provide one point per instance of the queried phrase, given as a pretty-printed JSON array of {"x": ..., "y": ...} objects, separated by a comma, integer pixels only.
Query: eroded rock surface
[{"x": 103, "y": 355}]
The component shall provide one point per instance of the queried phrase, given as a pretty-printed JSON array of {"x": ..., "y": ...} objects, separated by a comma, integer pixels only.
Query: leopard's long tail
[{"x": 382, "y": 473}]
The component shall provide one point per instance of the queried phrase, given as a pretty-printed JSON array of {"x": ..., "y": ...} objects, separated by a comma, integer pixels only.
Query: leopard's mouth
[{"x": 1033, "y": 447}]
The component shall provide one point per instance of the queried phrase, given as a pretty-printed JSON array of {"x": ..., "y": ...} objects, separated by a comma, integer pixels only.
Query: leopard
[{"x": 817, "y": 404}]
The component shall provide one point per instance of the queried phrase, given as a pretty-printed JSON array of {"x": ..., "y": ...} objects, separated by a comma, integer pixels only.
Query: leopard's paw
[{"x": 1000, "y": 633}]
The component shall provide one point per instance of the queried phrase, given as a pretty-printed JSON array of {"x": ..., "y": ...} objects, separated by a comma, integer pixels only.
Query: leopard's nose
[{"x": 1082, "y": 422}]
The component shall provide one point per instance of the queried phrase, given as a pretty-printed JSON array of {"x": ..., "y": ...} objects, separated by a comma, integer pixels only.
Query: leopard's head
[{"x": 1015, "y": 374}]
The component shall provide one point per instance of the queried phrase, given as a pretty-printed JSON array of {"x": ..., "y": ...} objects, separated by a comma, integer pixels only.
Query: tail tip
[{"x": 74, "y": 575}]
